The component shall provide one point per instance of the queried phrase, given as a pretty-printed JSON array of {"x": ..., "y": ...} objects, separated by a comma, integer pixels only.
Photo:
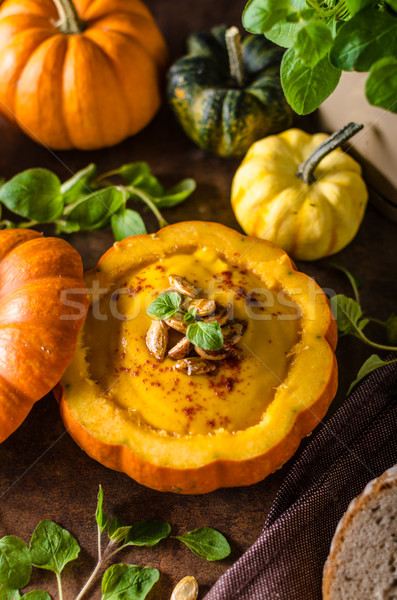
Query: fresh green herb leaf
[
  {"x": 190, "y": 316},
  {"x": 354, "y": 281},
  {"x": 392, "y": 4},
  {"x": 176, "y": 194},
  {"x": 372, "y": 363},
  {"x": 134, "y": 173},
  {"x": 261, "y": 15},
  {"x": 391, "y": 329},
  {"x": 165, "y": 305},
  {"x": 307, "y": 87},
  {"x": 9, "y": 594},
  {"x": 285, "y": 31},
  {"x": 79, "y": 184},
  {"x": 94, "y": 211},
  {"x": 364, "y": 39},
  {"x": 207, "y": 336},
  {"x": 206, "y": 543},
  {"x": 354, "y": 6},
  {"x": 313, "y": 42},
  {"x": 15, "y": 562},
  {"x": 101, "y": 518},
  {"x": 381, "y": 85},
  {"x": 348, "y": 315},
  {"x": 128, "y": 582},
  {"x": 52, "y": 547},
  {"x": 34, "y": 194},
  {"x": 36, "y": 595},
  {"x": 147, "y": 533},
  {"x": 117, "y": 532},
  {"x": 127, "y": 222}
]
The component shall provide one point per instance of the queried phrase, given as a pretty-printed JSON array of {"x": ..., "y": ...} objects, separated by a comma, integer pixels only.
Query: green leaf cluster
[
  {"x": 207, "y": 336},
  {"x": 324, "y": 38},
  {"x": 52, "y": 548},
  {"x": 87, "y": 202},
  {"x": 350, "y": 321}
]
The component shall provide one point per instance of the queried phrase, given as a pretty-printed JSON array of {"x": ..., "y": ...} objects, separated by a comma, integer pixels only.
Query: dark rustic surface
[{"x": 43, "y": 474}]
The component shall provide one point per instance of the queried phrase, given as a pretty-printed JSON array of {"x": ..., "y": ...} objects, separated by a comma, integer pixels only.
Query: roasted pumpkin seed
[
  {"x": 203, "y": 307},
  {"x": 157, "y": 339},
  {"x": 180, "y": 350},
  {"x": 183, "y": 286},
  {"x": 194, "y": 366},
  {"x": 186, "y": 589}
]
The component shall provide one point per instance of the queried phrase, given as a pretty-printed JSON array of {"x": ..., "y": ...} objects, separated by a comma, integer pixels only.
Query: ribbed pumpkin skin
[
  {"x": 87, "y": 90},
  {"x": 38, "y": 331},
  {"x": 214, "y": 112}
]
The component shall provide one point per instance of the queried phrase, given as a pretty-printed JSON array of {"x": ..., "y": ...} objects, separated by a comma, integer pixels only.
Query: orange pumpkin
[
  {"x": 43, "y": 303},
  {"x": 233, "y": 427},
  {"x": 83, "y": 76}
]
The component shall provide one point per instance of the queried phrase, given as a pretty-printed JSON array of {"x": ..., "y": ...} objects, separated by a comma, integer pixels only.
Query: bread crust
[{"x": 388, "y": 480}]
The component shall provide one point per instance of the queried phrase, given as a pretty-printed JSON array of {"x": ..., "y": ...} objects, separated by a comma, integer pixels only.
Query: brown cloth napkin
[{"x": 355, "y": 445}]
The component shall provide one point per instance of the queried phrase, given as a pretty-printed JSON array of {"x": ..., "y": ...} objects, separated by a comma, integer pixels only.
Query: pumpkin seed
[
  {"x": 222, "y": 314},
  {"x": 177, "y": 322},
  {"x": 180, "y": 350},
  {"x": 194, "y": 366},
  {"x": 186, "y": 589},
  {"x": 234, "y": 331},
  {"x": 157, "y": 339},
  {"x": 224, "y": 352},
  {"x": 183, "y": 286},
  {"x": 203, "y": 307}
]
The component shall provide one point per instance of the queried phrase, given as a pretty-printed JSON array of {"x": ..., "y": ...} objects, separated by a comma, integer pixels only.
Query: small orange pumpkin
[
  {"x": 83, "y": 76},
  {"x": 39, "y": 322}
]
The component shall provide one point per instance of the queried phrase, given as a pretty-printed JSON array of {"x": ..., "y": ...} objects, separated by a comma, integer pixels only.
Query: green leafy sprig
[
  {"x": 351, "y": 321},
  {"x": 52, "y": 548},
  {"x": 324, "y": 38},
  {"x": 207, "y": 336},
  {"x": 87, "y": 201}
]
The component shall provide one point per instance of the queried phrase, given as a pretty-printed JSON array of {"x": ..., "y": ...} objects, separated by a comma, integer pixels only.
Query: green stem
[
  {"x": 27, "y": 224},
  {"x": 375, "y": 344},
  {"x": 102, "y": 558},
  {"x": 306, "y": 169},
  {"x": 235, "y": 52},
  {"x": 145, "y": 198},
  {"x": 59, "y": 582},
  {"x": 68, "y": 21},
  {"x": 378, "y": 321}
]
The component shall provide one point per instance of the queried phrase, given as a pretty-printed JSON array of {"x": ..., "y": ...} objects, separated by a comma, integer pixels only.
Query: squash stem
[
  {"x": 235, "y": 52},
  {"x": 68, "y": 21},
  {"x": 306, "y": 169}
]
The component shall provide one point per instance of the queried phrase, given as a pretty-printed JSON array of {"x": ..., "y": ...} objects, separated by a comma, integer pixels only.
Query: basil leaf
[
  {"x": 391, "y": 329},
  {"x": 36, "y": 595},
  {"x": 261, "y": 15},
  {"x": 207, "y": 336},
  {"x": 207, "y": 543},
  {"x": 147, "y": 533},
  {"x": 190, "y": 315},
  {"x": 133, "y": 173},
  {"x": 348, "y": 315},
  {"x": 284, "y": 33},
  {"x": 354, "y": 6},
  {"x": 307, "y": 87},
  {"x": 372, "y": 363},
  {"x": 15, "y": 562},
  {"x": 381, "y": 85},
  {"x": 116, "y": 531},
  {"x": 94, "y": 211},
  {"x": 101, "y": 518},
  {"x": 52, "y": 547},
  {"x": 313, "y": 42},
  {"x": 165, "y": 305},
  {"x": 9, "y": 594},
  {"x": 128, "y": 582},
  {"x": 127, "y": 222},
  {"x": 34, "y": 194},
  {"x": 176, "y": 194},
  {"x": 364, "y": 39},
  {"x": 79, "y": 184}
]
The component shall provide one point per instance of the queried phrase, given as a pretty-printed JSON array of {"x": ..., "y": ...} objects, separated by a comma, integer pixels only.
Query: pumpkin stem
[
  {"x": 235, "y": 52},
  {"x": 306, "y": 169},
  {"x": 68, "y": 21}
]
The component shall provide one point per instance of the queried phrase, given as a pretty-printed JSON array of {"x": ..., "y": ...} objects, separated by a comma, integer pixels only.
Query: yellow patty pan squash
[
  {"x": 191, "y": 433},
  {"x": 301, "y": 192}
]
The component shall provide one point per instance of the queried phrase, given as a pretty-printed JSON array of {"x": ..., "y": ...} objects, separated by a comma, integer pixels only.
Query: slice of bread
[{"x": 362, "y": 564}]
